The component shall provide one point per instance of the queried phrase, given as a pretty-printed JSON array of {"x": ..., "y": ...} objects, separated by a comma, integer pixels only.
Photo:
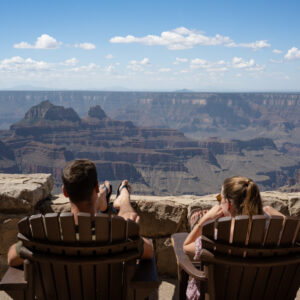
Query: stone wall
[
  {"x": 19, "y": 195},
  {"x": 160, "y": 216}
]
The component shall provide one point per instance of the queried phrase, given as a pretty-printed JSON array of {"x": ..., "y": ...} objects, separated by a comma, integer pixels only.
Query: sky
[{"x": 150, "y": 45}]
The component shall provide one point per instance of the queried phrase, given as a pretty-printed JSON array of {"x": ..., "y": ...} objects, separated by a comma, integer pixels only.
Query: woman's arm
[
  {"x": 270, "y": 211},
  {"x": 189, "y": 243}
]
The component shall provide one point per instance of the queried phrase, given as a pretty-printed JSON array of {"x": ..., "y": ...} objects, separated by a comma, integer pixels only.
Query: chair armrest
[
  {"x": 13, "y": 279},
  {"x": 145, "y": 275},
  {"x": 183, "y": 261}
]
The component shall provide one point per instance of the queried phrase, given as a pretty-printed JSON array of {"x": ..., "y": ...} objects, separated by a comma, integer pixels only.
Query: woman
[{"x": 239, "y": 196}]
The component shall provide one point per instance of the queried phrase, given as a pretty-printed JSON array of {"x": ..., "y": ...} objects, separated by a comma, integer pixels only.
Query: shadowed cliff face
[{"x": 158, "y": 161}]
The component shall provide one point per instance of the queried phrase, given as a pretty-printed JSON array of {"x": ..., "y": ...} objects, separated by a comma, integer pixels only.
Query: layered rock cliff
[{"x": 158, "y": 161}]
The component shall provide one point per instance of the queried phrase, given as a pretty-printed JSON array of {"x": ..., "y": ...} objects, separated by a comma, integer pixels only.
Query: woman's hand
[{"x": 214, "y": 213}]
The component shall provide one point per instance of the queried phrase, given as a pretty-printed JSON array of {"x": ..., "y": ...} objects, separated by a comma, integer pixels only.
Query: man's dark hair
[{"x": 80, "y": 178}]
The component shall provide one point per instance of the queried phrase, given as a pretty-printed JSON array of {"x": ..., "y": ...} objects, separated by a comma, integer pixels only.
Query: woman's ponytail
[{"x": 244, "y": 195}]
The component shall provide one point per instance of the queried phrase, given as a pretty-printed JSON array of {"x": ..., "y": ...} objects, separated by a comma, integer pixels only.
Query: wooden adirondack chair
[
  {"x": 262, "y": 262},
  {"x": 95, "y": 260}
]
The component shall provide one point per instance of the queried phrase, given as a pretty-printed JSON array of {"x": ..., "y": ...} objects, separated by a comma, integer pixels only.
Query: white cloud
[
  {"x": 109, "y": 56},
  {"x": 134, "y": 65},
  {"x": 274, "y": 61},
  {"x": 19, "y": 64},
  {"x": 90, "y": 67},
  {"x": 276, "y": 51},
  {"x": 180, "y": 60},
  {"x": 164, "y": 70},
  {"x": 240, "y": 63},
  {"x": 85, "y": 46},
  {"x": 45, "y": 41},
  {"x": 293, "y": 53},
  {"x": 182, "y": 38},
  {"x": 199, "y": 63},
  {"x": 109, "y": 68},
  {"x": 177, "y": 39},
  {"x": 70, "y": 62},
  {"x": 255, "y": 45}
]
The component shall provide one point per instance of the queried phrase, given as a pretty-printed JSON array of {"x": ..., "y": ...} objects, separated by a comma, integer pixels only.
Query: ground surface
[{"x": 167, "y": 291}]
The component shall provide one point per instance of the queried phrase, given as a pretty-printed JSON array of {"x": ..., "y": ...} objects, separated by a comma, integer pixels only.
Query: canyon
[{"x": 158, "y": 161}]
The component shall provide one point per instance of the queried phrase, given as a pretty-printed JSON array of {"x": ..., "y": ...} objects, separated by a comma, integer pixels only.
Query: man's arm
[{"x": 13, "y": 258}]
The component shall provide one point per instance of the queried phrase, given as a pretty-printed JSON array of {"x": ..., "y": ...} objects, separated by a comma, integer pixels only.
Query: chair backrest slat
[
  {"x": 47, "y": 276},
  {"x": 257, "y": 232},
  {"x": 294, "y": 284},
  {"x": 289, "y": 230},
  {"x": 233, "y": 285},
  {"x": 118, "y": 233},
  {"x": 239, "y": 233},
  {"x": 285, "y": 283},
  {"x": 102, "y": 230},
  {"x": 273, "y": 282},
  {"x": 88, "y": 281},
  {"x": 221, "y": 273},
  {"x": 209, "y": 229},
  {"x": 118, "y": 229},
  {"x": 84, "y": 227},
  {"x": 24, "y": 228},
  {"x": 224, "y": 226},
  {"x": 67, "y": 227},
  {"x": 132, "y": 229},
  {"x": 240, "y": 230},
  {"x": 37, "y": 227},
  {"x": 246, "y": 283},
  {"x": 273, "y": 231},
  {"x": 74, "y": 281},
  {"x": 52, "y": 227},
  {"x": 61, "y": 283},
  {"x": 260, "y": 283}
]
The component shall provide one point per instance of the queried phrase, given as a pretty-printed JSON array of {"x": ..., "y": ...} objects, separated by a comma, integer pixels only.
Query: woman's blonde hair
[{"x": 244, "y": 195}]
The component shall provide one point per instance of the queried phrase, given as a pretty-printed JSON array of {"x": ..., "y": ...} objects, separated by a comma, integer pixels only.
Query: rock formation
[{"x": 159, "y": 161}]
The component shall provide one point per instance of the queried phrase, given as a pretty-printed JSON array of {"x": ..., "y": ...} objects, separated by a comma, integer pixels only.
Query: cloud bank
[{"x": 182, "y": 38}]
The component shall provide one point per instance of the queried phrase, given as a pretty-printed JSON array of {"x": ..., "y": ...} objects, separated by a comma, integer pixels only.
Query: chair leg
[{"x": 182, "y": 284}]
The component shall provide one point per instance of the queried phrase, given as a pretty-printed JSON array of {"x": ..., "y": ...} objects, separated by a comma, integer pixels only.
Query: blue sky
[{"x": 150, "y": 45}]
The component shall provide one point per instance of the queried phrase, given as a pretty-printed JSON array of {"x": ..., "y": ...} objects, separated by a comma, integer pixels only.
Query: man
[{"x": 80, "y": 185}]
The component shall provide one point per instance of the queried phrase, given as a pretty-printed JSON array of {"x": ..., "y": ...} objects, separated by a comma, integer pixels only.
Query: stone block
[
  {"x": 279, "y": 201},
  {"x": 19, "y": 193},
  {"x": 165, "y": 257},
  {"x": 160, "y": 218},
  {"x": 294, "y": 204}
]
